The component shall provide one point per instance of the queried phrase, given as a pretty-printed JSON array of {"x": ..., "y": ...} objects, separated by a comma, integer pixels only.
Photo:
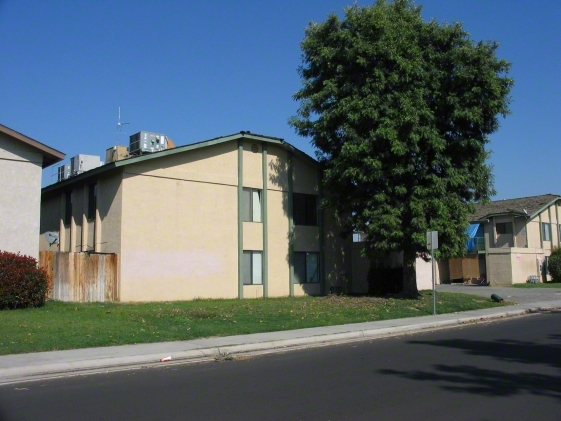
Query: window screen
[
  {"x": 252, "y": 266},
  {"x": 251, "y": 205}
]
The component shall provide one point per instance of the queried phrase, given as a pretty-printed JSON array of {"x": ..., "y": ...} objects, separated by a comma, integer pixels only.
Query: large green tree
[{"x": 400, "y": 111}]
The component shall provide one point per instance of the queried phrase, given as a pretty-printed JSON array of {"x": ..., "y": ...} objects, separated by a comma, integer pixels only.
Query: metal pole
[{"x": 433, "y": 281}]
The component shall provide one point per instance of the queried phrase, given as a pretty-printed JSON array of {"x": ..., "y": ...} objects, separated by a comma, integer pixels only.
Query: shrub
[
  {"x": 22, "y": 283},
  {"x": 554, "y": 264}
]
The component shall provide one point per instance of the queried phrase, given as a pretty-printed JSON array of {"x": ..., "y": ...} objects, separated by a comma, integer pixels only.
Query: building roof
[
  {"x": 180, "y": 149},
  {"x": 50, "y": 156},
  {"x": 524, "y": 206}
]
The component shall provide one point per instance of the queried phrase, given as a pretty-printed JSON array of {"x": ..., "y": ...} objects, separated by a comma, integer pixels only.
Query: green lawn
[
  {"x": 540, "y": 285},
  {"x": 59, "y": 325}
]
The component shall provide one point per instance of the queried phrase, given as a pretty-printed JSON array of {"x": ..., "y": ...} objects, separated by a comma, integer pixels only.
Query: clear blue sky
[{"x": 199, "y": 70}]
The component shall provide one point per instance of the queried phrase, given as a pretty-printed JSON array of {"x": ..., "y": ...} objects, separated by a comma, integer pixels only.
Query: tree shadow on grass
[{"x": 502, "y": 381}]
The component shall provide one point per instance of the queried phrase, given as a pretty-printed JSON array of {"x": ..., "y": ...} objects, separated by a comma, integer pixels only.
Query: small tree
[
  {"x": 554, "y": 264},
  {"x": 400, "y": 111}
]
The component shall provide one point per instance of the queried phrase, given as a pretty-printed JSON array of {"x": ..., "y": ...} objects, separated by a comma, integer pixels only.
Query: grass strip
[{"x": 59, "y": 325}]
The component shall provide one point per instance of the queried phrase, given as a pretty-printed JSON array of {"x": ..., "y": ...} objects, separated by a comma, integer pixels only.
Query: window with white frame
[
  {"x": 251, "y": 205},
  {"x": 306, "y": 267},
  {"x": 252, "y": 266},
  {"x": 546, "y": 231}
]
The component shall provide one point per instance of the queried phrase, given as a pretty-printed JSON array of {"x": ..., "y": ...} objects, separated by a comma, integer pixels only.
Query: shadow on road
[{"x": 496, "y": 379}]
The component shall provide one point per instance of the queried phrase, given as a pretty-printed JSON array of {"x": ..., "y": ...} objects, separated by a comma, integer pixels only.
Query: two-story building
[
  {"x": 511, "y": 240},
  {"x": 235, "y": 216}
]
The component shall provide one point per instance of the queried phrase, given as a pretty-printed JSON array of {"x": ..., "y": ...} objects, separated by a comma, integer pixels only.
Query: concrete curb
[{"x": 128, "y": 362}]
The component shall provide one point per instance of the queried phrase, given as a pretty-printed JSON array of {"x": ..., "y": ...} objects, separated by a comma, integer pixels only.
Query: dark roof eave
[{"x": 50, "y": 155}]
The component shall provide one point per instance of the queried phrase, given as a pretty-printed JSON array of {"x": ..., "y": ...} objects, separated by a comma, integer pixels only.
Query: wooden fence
[{"x": 81, "y": 277}]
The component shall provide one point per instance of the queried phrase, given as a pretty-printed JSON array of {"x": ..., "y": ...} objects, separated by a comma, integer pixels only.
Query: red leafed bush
[{"x": 22, "y": 283}]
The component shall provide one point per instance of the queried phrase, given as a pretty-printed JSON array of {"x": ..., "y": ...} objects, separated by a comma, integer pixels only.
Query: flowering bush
[{"x": 22, "y": 283}]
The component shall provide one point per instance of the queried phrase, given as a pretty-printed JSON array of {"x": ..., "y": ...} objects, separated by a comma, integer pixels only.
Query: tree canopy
[{"x": 400, "y": 111}]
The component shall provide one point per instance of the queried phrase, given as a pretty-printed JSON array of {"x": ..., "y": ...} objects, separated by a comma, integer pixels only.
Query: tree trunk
[{"x": 409, "y": 274}]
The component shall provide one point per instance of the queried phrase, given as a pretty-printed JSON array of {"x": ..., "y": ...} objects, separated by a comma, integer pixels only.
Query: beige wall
[
  {"x": 179, "y": 231},
  {"x": 511, "y": 266},
  {"x": 20, "y": 172},
  {"x": 174, "y": 223}
]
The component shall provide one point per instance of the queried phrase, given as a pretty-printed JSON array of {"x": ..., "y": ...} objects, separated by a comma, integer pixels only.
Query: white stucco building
[{"x": 21, "y": 162}]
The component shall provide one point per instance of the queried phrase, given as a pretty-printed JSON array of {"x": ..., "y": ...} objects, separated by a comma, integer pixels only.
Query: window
[
  {"x": 504, "y": 227},
  {"x": 251, "y": 206},
  {"x": 67, "y": 207},
  {"x": 306, "y": 267},
  {"x": 546, "y": 231},
  {"x": 305, "y": 209},
  {"x": 92, "y": 200},
  {"x": 252, "y": 268}
]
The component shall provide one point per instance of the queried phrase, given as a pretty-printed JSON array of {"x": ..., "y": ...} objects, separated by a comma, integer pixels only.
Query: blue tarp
[{"x": 471, "y": 231}]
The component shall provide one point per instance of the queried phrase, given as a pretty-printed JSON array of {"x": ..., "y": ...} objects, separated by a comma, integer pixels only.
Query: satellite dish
[
  {"x": 525, "y": 212},
  {"x": 52, "y": 238}
]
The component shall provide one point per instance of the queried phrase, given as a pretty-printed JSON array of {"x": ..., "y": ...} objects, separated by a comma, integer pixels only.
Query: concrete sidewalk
[{"x": 44, "y": 365}]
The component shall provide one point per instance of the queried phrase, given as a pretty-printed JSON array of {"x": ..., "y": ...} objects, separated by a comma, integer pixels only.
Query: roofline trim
[
  {"x": 176, "y": 150},
  {"x": 53, "y": 156},
  {"x": 533, "y": 215}
]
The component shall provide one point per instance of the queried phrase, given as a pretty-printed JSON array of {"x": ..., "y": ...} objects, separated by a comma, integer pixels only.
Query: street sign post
[{"x": 432, "y": 245}]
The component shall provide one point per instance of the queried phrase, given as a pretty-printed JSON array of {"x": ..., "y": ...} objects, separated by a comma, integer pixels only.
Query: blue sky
[{"x": 199, "y": 70}]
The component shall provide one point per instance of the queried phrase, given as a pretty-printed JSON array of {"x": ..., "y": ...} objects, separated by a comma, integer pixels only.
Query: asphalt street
[
  {"x": 503, "y": 370},
  {"x": 517, "y": 295}
]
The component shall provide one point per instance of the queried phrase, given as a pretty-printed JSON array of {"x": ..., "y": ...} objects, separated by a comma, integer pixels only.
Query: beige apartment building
[
  {"x": 235, "y": 216},
  {"x": 511, "y": 240}
]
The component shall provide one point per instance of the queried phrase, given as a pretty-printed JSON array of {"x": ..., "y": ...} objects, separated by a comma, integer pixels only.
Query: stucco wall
[
  {"x": 20, "y": 172},
  {"x": 499, "y": 267},
  {"x": 179, "y": 230}
]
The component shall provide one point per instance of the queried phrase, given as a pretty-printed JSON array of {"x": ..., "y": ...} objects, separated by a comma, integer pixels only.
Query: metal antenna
[{"x": 119, "y": 126}]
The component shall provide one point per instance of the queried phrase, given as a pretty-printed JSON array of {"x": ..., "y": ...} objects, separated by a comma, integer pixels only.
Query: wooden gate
[{"x": 81, "y": 277}]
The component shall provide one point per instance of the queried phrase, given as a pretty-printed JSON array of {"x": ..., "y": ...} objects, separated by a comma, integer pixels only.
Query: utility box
[
  {"x": 83, "y": 163},
  {"x": 116, "y": 153},
  {"x": 147, "y": 142}
]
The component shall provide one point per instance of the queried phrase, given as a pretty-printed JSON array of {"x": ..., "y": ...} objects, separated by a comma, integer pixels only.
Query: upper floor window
[
  {"x": 546, "y": 231},
  {"x": 67, "y": 207},
  {"x": 503, "y": 227},
  {"x": 92, "y": 200},
  {"x": 251, "y": 205},
  {"x": 305, "y": 209}
]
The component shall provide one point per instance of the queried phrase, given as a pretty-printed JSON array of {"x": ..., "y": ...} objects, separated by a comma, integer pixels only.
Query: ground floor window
[
  {"x": 252, "y": 266},
  {"x": 306, "y": 267}
]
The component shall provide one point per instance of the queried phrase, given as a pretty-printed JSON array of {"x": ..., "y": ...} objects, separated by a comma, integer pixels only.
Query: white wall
[{"x": 20, "y": 196}]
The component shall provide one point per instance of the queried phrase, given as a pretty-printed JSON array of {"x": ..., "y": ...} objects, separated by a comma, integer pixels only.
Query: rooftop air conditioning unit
[
  {"x": 63, "y": 172},
  {"x": 82, "y": 163},
  {"x": 147, "y": 142}
]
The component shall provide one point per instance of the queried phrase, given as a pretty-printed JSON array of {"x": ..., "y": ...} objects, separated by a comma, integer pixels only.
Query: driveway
[{"x": 516, "y": 295}]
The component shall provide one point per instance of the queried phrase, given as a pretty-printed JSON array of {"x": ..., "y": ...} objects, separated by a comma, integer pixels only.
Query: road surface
[{"x": 507, "y": 370}]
